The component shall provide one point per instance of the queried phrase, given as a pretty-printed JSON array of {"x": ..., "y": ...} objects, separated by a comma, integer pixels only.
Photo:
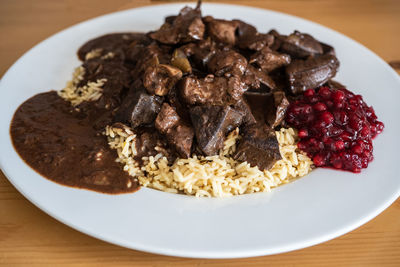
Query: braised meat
[
  {"x": 201, "y": 52},
  {"x": 197, "y": 78},
  {"x": 311, "y": 73},
  {"x": 249, "y": 38},
  {"x": 139, "y": 108},
  {"x": 269, "y": 60},
  {"x": 187, "y": 26},
  {"x": 259, "y": 147},
  {"x": 276, "y": 111},
  {"x": 301, "y": 45},
  {"x": 221, "y": 30},
  {"x": 227, "y": 63},
  {"x": 211, "y": 124},
  {"x": 211, "y": 90},
  {"x": 244, "y": 110},
  {"x": 159, "y": 79},
  {"x": 179, "y": 135}
]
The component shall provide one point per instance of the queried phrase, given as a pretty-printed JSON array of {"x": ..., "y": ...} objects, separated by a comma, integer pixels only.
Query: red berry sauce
[{"x": 335, "y": 127}]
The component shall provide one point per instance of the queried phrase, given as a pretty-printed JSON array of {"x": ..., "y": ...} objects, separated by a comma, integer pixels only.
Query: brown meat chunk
[
  {"x": 249, "y": 38},
  {"x": 254, "y": 76},
  {"x": 276, "y": 111},
  {"x": 269, "y": 60},
  {"x": 179, "y": 135},
  {"x": 211, "y": 90},
  {"x": 278, "y": 40},
  {"x": 139, "y": 108},
  {"x": 166, "y": 119},
  {"x": 185, "y": 27},
  {"x": 301, "y": 45},
  {"x": 201, "y": 52},
  {"x": 221, "y": 30},
  {"x": 159, "y": 79},
  {"x": 311, "y": 73},
  {"x": 328, "y": 49},
  {"x": 211, "y": 124},
  {"x": 181, "y": 138},
  {"x": 242, "y": 106},
  {"x": 259, "y": 147},
  {"x": 257, "y": 42},
  {"x": 227, "y": 63}
]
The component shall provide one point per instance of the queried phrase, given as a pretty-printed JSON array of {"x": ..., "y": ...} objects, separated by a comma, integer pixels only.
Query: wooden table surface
[{"x": 29, "y": 237}]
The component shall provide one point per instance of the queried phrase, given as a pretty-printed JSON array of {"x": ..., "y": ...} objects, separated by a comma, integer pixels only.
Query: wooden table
[{"x": 30, "y": 237}]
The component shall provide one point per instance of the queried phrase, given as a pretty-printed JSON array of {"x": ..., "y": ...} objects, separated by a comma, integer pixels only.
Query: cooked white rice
[
  {"x": 213, "y": 176},
  {"x": 94, "y": 53},
  {"x": 75, "y": 94},
  {"x": 97, "y": 53}
]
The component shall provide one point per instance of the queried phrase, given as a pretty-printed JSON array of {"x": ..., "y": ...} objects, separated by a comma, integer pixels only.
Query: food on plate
[{"x": 201, "y": 106}]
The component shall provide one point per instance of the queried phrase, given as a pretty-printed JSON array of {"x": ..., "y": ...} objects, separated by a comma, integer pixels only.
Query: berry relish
[{"x": 335, "y": 127}]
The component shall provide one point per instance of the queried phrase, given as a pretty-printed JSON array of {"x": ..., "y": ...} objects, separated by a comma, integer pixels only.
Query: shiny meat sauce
[{"x": 63, "y": 146}]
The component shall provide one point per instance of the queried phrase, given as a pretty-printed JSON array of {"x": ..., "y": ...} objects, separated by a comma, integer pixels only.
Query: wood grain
[{"x": 29, "y": 237}]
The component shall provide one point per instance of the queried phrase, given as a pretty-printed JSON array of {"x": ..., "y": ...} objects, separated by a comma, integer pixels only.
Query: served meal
[{"x": 201, "y": 106}]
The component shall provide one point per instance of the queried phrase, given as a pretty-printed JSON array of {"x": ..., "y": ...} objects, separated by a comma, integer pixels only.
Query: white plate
[{"x": 311, "y": 210}]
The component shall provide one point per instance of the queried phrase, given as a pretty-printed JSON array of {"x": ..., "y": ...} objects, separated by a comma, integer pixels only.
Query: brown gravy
[{"x": 62, "y": 145}]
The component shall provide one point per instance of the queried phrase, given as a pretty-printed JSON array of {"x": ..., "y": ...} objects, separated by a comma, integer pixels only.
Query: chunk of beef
[
  {"x": 244, "y": 30},
  {"x": 185, "y": 27},
  {"x": 278, "y": 40},
  {"x": 221, "y": 30},
  {"x": 249, "y": 38},
  {"x": 179, "y": 135},
  {"x": 236, "y": 88},
  {"x": 227, "y": 63},
  {"x": 254, "y": 76},
  {"x": 211, "y": 90},
  {"x": 301, "y": 45},
  {"x": 269, "y": 60},
  {"x": 259, "y": 104},
  {"x": 311, "y": 73},
  {"x": 259, "y": 147},
  {"x": 178, "y": 104},
  {"x": 149, "y": 142},
  {"x": 211, "y": 124},
  {"x": 244, "y": 110},
  {"x": 148, "y": 56},
  {"x": 139, "y": 108},
  {"x": 276, "y": 111},
  {"x": 166, "y": 119},
  {"x": 159, "y": 79},
  {"x": 327, "y": 49},
  {"x": 201, "y": 52}
]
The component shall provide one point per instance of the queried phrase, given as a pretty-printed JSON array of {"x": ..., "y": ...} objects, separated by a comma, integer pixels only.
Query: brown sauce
[{"x": 62, "y": 145}]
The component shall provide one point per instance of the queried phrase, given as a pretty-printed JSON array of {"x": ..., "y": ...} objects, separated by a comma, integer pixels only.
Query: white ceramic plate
[{"x": 311, "y": 210}]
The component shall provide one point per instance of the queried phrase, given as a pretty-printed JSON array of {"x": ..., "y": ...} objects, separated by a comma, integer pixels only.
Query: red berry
[
  {"x": 336, "y": 127},
  {"x": 319, "y": 106},
  {"x": 309, "y": 92},
  {"x": 303, "y": 133},
  {"x": 319, "y": 160},
  {"x": 357, "y": 149},
  {"x": 327, "y": 117},
  {"x": 325, "y": 92},
  {"x": 338, "y": 96},
  {"x": 339, "y": 145}
]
